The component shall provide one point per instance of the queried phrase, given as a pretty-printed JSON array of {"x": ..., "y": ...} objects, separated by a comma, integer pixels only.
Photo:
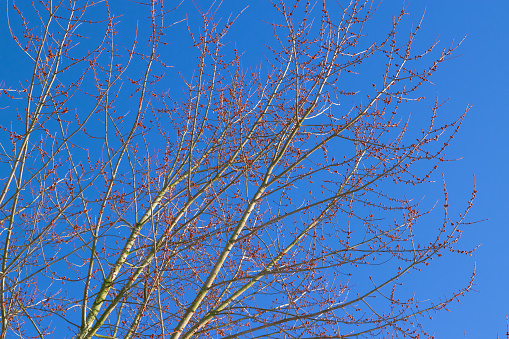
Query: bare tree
[{"x": 244, "y": 203}]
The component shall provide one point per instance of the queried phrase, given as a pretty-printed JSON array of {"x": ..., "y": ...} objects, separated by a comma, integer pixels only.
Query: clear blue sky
[{"x": 480, "y": 77}]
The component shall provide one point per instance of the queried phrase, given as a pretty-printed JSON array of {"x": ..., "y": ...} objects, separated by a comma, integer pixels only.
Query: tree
[{"x": 245, "y": 203}]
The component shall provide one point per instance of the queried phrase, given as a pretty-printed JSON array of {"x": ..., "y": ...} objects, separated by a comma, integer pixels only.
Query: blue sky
[{"x": 479, "y": 76}]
